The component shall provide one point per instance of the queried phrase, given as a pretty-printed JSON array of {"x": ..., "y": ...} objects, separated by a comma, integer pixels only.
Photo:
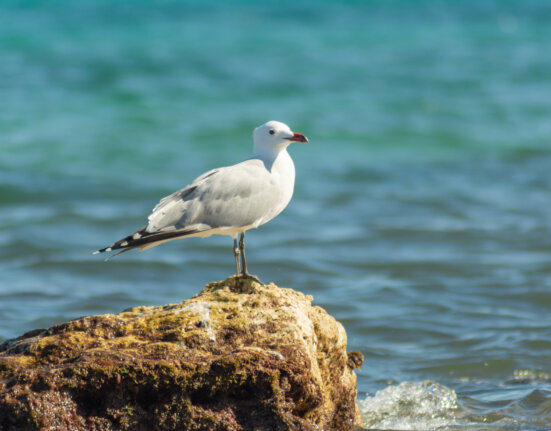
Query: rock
[{"x": 237, "y": 356}]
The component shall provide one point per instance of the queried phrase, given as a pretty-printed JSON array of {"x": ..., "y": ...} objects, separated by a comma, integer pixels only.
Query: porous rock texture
[{"x": 237, "y": 356}]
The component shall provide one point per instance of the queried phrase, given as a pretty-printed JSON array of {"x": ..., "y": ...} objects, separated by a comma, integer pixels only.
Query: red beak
[{"x": 298, "y": 137}]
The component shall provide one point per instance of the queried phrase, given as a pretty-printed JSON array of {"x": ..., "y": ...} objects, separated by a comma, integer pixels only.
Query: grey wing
[
  {"x": 186, "y": 191},
  {"x": 167, "y": 214},
  {"x": 241, "y": 195}
]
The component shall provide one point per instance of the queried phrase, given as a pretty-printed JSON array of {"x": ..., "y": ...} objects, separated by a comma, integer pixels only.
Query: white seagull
[{"x": 226, "y": 201}]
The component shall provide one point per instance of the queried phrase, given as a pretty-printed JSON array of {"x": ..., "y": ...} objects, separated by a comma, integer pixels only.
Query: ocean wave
[{"x": 429, "y": 405}]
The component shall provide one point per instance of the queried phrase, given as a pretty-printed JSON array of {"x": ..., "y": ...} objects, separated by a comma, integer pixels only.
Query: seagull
[{"x": 226, "y": 201}]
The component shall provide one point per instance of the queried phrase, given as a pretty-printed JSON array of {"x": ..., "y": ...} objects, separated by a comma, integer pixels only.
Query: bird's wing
[
  {"x": 182, "y": 193},
  {"x": 235, "y": 196}
]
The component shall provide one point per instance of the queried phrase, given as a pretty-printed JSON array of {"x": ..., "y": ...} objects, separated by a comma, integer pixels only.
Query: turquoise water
[{"x": 421, "y": 217}]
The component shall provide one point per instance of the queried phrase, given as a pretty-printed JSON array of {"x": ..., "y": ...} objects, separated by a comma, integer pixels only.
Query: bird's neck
[{"x": 270, "y": 155}]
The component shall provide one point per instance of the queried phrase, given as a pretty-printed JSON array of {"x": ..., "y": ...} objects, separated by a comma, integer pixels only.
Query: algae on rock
[{"x": 237, "y": 356}]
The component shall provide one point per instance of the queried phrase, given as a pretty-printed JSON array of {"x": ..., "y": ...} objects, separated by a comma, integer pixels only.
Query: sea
[{"x": 421, "y": 217}]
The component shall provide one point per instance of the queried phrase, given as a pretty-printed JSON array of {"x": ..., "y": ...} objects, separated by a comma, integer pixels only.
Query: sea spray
[{"x": 410, "y": 406}]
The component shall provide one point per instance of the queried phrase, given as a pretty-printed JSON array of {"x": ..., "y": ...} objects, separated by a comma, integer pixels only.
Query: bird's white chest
[{"x": 283, "y": 176}]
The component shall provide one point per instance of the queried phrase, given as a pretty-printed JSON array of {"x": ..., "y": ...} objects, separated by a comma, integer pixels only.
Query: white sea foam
[{"x": 410, "y": 406}]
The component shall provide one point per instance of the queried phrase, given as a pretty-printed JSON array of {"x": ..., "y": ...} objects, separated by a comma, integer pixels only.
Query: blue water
[{"x": 421, "y": 217}]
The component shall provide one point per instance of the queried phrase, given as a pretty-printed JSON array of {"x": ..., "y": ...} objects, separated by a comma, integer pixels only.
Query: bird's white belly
[{"x": 230, "y": 231}]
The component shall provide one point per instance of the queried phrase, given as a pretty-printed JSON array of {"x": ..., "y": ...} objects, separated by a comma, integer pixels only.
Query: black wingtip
[
  {"x": 103, "y": 250},
  {"x": 126, "y": 244},
  {"x": 140, "y": 238}
]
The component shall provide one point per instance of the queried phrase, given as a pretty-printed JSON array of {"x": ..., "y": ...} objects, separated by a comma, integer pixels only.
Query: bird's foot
[{"x": 246, "y": 275}]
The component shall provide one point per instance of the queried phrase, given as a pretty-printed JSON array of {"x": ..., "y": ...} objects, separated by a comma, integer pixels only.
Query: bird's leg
[
  {"x": 242, "y": 250},
  {"x": 236, "y": 253},
  {"x": 244, "y": 272}
]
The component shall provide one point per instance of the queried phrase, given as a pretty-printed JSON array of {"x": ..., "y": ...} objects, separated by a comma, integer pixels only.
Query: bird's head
[{"x": 275, "y": 136}]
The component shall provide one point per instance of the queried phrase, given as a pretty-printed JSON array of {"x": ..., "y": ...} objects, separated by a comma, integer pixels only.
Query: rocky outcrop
[{"x": 237, "y": 356}]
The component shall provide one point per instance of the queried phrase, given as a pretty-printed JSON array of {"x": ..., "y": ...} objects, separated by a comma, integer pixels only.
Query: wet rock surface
[{"x": 237, "y": 356}]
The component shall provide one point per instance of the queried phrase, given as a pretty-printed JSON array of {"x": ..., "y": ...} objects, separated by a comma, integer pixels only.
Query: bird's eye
[{"x": 272, "y": 132}]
